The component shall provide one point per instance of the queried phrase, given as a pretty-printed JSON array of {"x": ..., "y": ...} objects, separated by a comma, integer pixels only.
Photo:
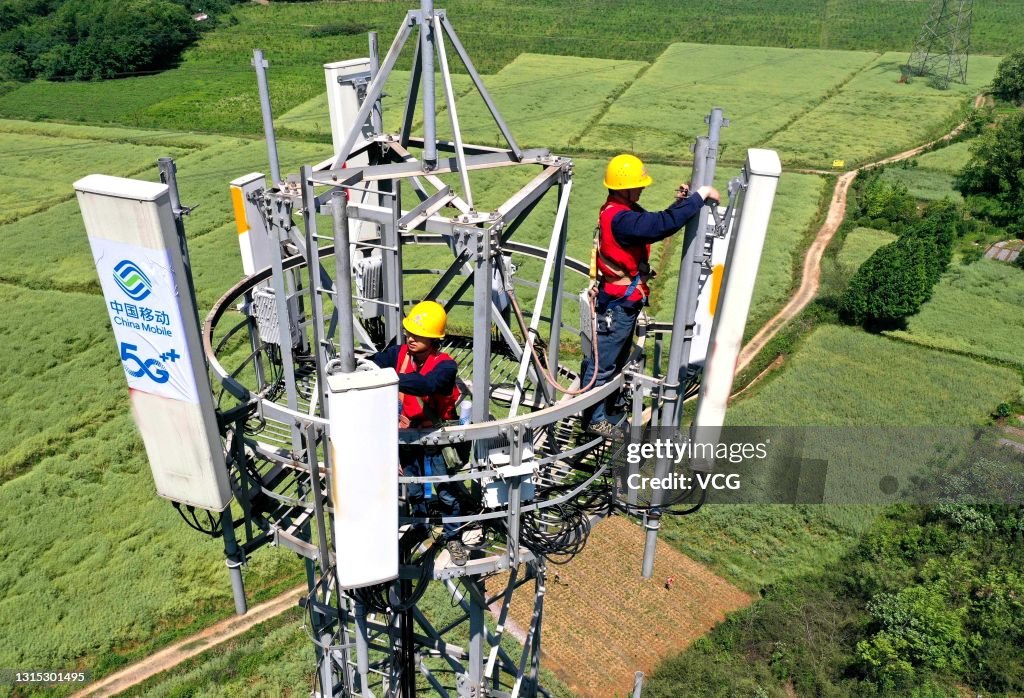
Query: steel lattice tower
[{"x": 944, "y": 45}]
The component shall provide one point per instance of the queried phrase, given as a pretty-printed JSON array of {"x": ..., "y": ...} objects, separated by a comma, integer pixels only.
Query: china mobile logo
[{"x": 132, "y": 280}]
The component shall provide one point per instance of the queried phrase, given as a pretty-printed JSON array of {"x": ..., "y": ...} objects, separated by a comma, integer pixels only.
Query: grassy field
[
  {"x": 214, "y": 89},
  {"x": 976, "y": 309},
  {"x": 860, "y": 243},
  {"x": 525, "y": 91},
  {"x": 761, "y": 89},
  {"x": 874, "y": 103},
  {"x": 843, "y": 376},
  {"x": 930, "y": 178}
]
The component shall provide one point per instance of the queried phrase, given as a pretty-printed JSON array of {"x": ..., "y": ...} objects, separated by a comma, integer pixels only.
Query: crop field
[
  {"x": 547, "y": 101},
  {"x": 761, "y": 90},
  {"x": 214, "y": 89},
  {"x": 976, "y": 309},
  {"x": 861, "y": 243},
  {"x": 96, "y": 566},
  {"x": 932, "y": 177},
  {"x": 908, "y": 386},
  {"x": 874, "y": 103},
  {"x": 795, "y": 211}
]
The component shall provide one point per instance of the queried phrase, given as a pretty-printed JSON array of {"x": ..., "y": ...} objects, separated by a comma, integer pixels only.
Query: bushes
[
  {"x": 898, "y": 278},
  {"x": 930, "y": 600},
  {"x": 993, "y": 180},
  {"x": 93, "y": 39},
  {"x": 1009, "y": 81}
]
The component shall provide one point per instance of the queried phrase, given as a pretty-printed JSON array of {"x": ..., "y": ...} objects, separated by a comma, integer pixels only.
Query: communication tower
[
  {"x": 944, "y": 45},
  {"x": 310, "y": 443}
]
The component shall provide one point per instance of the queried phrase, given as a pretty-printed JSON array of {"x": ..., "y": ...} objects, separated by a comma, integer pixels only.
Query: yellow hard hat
[
  {"x": 426, "y": 319},
  {"x": 626, "y": 172}
]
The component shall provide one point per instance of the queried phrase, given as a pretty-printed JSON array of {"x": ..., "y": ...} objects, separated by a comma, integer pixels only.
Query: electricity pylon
[{"x": 944, "y": 45}]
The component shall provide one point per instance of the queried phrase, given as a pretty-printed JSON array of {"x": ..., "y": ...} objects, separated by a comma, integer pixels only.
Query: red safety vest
[
  {"x": 424, "y": 411},
  {"x": 619, "y": 264}
]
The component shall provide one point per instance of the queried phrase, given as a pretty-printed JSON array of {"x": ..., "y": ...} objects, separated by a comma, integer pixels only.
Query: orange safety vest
[
  {"x": 619, "y": 264},
  {"x": 425, "y": 411}
]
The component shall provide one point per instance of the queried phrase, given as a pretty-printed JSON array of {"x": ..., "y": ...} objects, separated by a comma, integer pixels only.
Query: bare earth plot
[{"x": 603, "y": 622}]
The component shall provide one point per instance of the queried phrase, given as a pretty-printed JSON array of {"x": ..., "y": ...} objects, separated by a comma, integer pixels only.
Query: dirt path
[
  {"x": 170, "y": 657},
  {"x": 811, "y": 277}
]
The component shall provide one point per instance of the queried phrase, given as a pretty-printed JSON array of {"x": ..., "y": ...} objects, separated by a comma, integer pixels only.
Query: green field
[
  {"x": 97, "y": 570},
  {"x": 860, "y": 243},
  {"x": 843, "y": 376},
  {"x": 976, "y": 309},
  {"x": 874, "y": 103},
  {"x": 931, "y": 176},
  {"x": 214, "y": 89},
  {"x": 525, "y": 91},
  {"x": 760, "y": 89}
]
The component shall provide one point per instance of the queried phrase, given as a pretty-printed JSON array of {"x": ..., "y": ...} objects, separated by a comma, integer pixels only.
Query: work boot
[
  {"x": 607, "y": 430},
  {"x": 457, "y": 551}
]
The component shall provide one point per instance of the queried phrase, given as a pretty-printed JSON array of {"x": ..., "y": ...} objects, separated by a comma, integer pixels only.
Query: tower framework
[
  {"x": 944, "y": 45},
  {"x": 333, "y": 256}
]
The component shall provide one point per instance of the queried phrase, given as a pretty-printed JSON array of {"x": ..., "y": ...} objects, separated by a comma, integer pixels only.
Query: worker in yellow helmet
[
  {"x": 626, "y": 232},
  {"x": 427, "y": 396}
]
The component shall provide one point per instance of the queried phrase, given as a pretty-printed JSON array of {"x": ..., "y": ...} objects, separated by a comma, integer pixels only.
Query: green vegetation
[
  {"x": 976, "y": 310},
  {"x": 860, "y": 243},
  {"x": 824, "y": 384},
  {"x": 873, "y": 115},
  {"x": 213, "y": 90},
  {"x": 94, "y": 39},
  {"x": 762, "y": 90},
  {"x": 929, "y": 601},
  {"x": 897, "y": 279},
  {"x": 1008, "y": 83},
  {"x": 993, "y": 180}
]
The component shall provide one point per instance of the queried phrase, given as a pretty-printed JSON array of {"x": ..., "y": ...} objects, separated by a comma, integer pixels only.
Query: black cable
[{"x": 213, "y": 529}]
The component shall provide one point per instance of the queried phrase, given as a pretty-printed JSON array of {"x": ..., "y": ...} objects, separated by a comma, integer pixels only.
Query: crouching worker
[
  {"x": 626, "y": 232},
  {"x": 427, "y": 396}
]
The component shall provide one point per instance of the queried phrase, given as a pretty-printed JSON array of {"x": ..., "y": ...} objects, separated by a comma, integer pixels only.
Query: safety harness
[
  {"x": 617, "y": 264},
  {"x": 428, "y": 410}
]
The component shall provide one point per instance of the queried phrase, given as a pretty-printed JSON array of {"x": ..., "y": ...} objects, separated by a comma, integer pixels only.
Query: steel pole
[
  {"x": 686, "y": 296},
  {"x": 261, "y": 65},
  {"x": 169, "y": 176},
  {"x": 234, "y": 561},
  {"x": 429, "y": 107},
  {"x": 376, "y": 118},
  {"x": 343, "y": 282}
]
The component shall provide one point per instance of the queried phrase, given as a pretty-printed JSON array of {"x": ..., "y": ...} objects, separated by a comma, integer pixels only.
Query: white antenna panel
[{"x": 134, "y": 244}]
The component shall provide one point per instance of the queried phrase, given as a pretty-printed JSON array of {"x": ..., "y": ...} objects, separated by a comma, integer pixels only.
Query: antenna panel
[{"x": 134, "y": 244}]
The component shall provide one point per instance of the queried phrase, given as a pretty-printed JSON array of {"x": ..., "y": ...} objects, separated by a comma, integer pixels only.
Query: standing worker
[
  {"x": 626, "y": 232},
  {"x": 427, "y": 396}
]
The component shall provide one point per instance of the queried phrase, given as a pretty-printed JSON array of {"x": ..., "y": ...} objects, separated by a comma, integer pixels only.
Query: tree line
[
  {"x": 97, "y": 39},
  {"x": 899, "y": 277}
]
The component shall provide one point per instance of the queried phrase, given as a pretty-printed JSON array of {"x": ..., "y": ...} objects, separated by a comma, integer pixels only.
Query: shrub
[{"x": 1009, "y": 81}]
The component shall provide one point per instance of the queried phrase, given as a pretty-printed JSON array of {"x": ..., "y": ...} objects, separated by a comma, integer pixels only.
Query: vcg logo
[{"x": 132, "y": 280}]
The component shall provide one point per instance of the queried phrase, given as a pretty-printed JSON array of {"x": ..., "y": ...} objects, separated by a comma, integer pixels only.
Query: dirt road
[
  {"x": 170, "y": 657},
  {"x": 811, "y": 276}
]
